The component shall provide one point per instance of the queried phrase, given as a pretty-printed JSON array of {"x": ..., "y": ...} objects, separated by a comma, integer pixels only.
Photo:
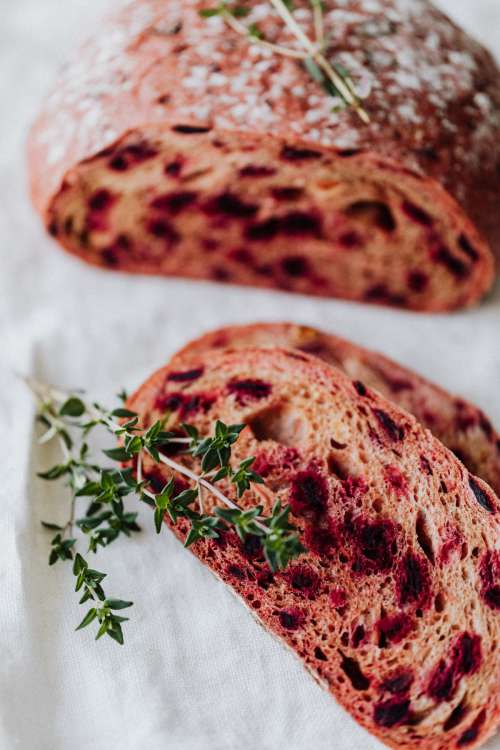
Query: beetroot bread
[
  {"x": 461, "y": 426},
  {"x": 171, "y": 145},
  {"x": 394, "y": 608}
]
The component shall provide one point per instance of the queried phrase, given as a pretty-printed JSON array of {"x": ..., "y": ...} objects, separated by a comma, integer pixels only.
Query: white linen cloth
[{"x": 196, "y": 671}]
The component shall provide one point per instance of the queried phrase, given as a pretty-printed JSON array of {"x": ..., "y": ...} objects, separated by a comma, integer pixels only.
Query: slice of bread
[
  {"x": 461, "y": 426},
  {"x": 394, "y": 608}
]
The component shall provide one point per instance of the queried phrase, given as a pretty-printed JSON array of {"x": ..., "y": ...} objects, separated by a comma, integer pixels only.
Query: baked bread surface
[
  {"x": 394, "y": 608},
  {"x": 171, "y": 145}
]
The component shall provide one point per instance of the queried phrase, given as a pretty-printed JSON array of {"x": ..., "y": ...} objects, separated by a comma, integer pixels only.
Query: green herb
[
  {"x": 333, "y": 78},
  {"x": 70, "y": 419}
]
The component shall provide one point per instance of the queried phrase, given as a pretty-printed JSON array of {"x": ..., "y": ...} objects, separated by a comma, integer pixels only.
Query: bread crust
[
  {"x": 375, "y": 594},
  {"x": 434, "y": 131},
  {"x": 460, "y": 425}
]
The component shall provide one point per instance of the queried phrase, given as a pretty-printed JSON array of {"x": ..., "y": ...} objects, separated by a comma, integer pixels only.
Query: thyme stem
[
  {"x": 240, "y": 28},
  {"x": 319, "y": 30},
  {"x": 319, "y": 58},
  {"x": 49, "y": 393}
]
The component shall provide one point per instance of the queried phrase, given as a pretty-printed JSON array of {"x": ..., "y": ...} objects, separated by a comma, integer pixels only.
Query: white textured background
[{"x": 196, "y": 672}]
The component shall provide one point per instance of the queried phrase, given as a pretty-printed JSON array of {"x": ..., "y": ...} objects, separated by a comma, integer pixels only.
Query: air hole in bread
[
  {"x": 439, "y": 602},
  {"x": 319, "y": 654},
  {"x": 424, "y": 537},
  {"x": 372, "y": 214},
  {"x": 337, "y": 466},
  {"x": 281, "y": 424}
]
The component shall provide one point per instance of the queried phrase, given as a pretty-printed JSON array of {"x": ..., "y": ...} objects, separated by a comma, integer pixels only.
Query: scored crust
[
  {"x": 395, "y": 605},
  {"x": 461, "y": 426},
  {"x": 173, "y": 146}
]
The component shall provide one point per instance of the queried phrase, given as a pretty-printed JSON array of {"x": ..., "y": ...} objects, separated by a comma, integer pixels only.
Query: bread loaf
[
  {"x": 173, "y": 145},
  {"x": 461, "y": 426},
  {"x": 394, "y": 607}
]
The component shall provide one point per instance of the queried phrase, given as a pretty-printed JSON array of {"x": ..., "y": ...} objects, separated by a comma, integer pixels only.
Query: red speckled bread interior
[{"x": 394, "y": 607}]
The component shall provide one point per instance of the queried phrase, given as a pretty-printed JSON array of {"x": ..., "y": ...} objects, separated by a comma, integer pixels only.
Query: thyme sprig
[
  {"x": 102, "y": 528},
  {"x": 70, "y": 419},
  {"x": 334, "y": 79}
]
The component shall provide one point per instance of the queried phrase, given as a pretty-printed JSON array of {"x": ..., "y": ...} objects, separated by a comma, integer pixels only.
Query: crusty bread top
[
  {"x": 461, "y": 426},
  {"x": 394, "y": 607},
  {"x": 432, "y": 93}
]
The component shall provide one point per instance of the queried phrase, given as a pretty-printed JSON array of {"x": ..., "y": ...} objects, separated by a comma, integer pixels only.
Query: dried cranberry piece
[
  {"x": 467, "y": 653},
  {"x": 443, "y": 682},
  {"x": 291, "y": 153},
  {"x": 350, "y": 240},
  {"x": 186, "y": 375},
  {"x": 393, "y": 629},
  {"x": 338, "y": 598},
  {"x": 489, "y": 572},
  {"x": 185, "y": 403},
  {"x": 303, "y": 580},
  {"x": 230, "y": 204},
  {"x": 236, "y": 572},
  {"x": 308, "y": 492},
  {"x": 163, "y": 230},
  {"x": 391, "y": 713},
  {"x": 264, "y": 579},
  {"x": 291, "y": 618},
  {"x": 241, "y": 255},
  {"x": 287, "y": 193},
  {"x": 417, "y": 214},
  {"x": 397, "y": 683},
  {"x": 101, "y": 200},
  {"x": 354, "y": 487},
  {"x": 347, "y": 152},
  {"x": 375, "y": 545},
  {"x": 426, "y": 466},
  {"x": 418, "y": 281},
  {"x": 358, "y": 636},
  {"x": 396, "y": 479},
  {"x": 190, "y": 129},
  {"x": 300, "y": 223},
  {"x": 452, "y": 540},
  {"x": 471, "y": 734},
  {"x": 175, "y": 202},
  {"x": 351, "y": 668},
  {"x": 442, "y": 255},
  {"x": 252, "y": 547},
  {"x": 465, "y": 244},
  {"x": 320, "y": 540},
  {"x": 256, "y": 170},
  {"x": 263, "y": 230},
  {"x": 155, "y": 478},
  {"x": 249, "y": 390},
  {"x": 492, "y": 597},
  {"x": 130, "y": 155},
  {"x": 295, "y": 265},
  {"x": 413, "y": 583},
  {"x": 464, "y": 658},
  {"x": 174, "y": 168},
  {"x": 110, "y": 257},
  {"x": 455, "y": 718}
]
